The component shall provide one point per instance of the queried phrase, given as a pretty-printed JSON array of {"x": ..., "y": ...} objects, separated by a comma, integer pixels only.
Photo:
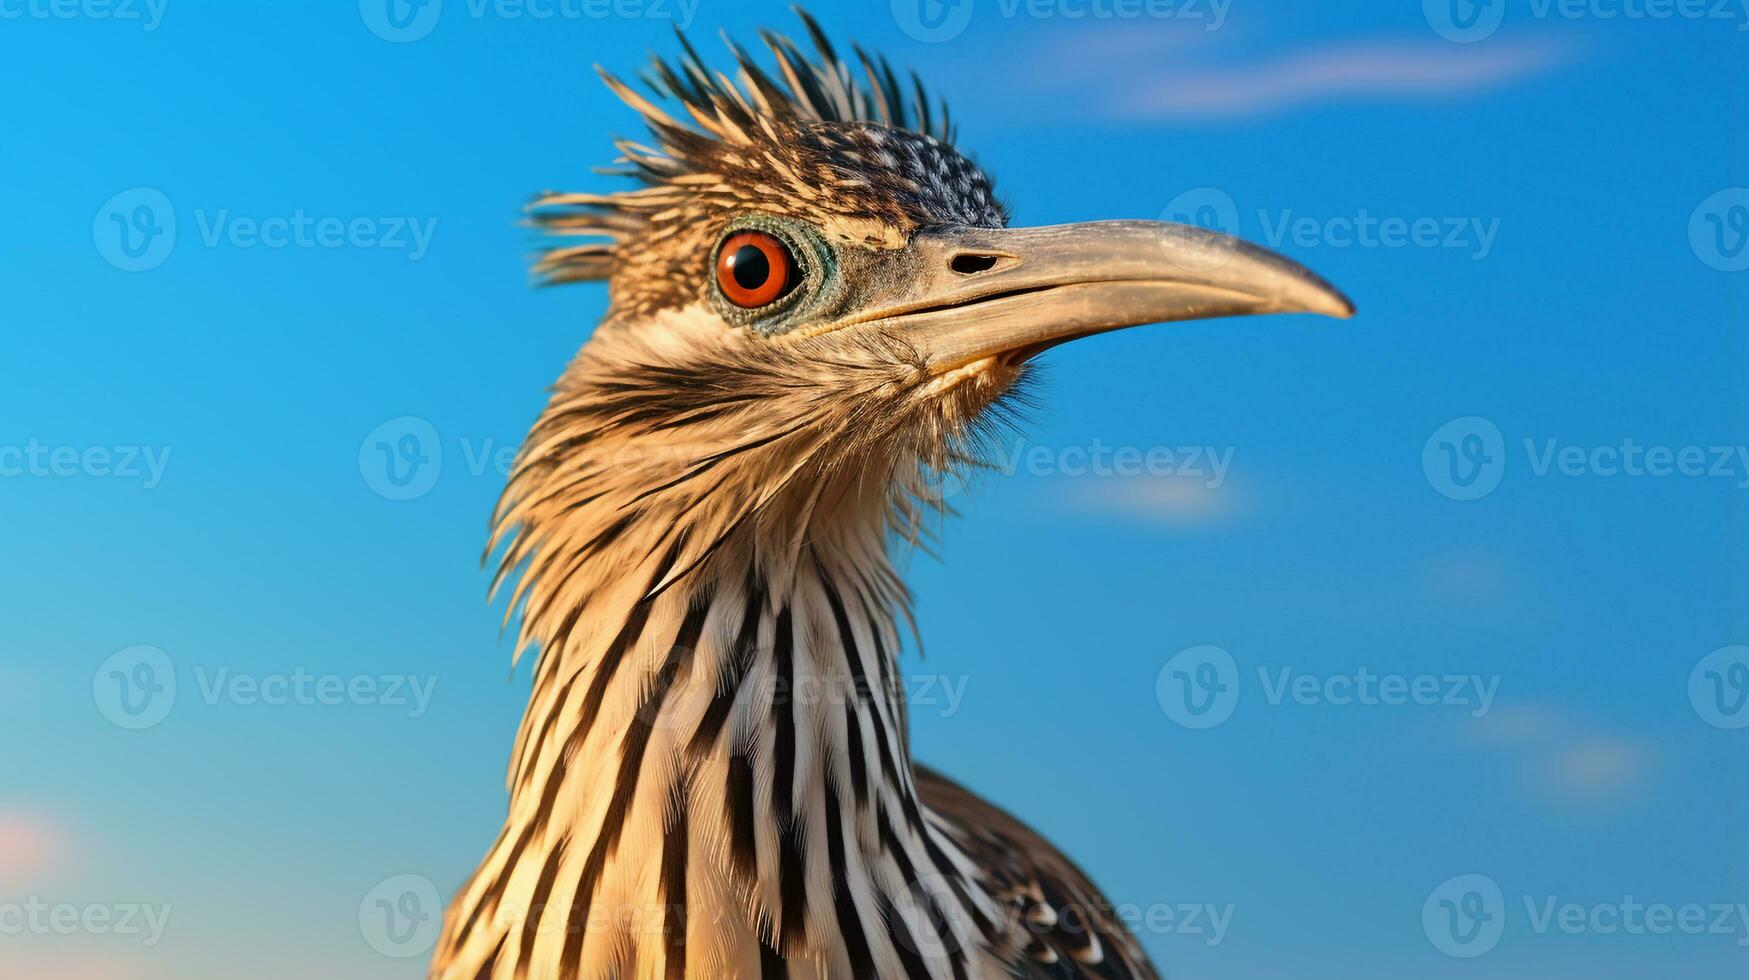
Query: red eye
[{"x": 754, "y": 269}]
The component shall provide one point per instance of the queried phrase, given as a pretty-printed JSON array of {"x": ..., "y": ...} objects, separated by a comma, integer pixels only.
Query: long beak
[{"x": 976, "y": 293}]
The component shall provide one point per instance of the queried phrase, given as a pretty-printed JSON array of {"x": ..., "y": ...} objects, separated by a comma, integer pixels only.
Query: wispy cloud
[
  {"x": 1565, "y": 761},
  {"x": 1351, "y": 71},
  {"x": 1173, "y": 500},
  {"x": 1164, "y": 74}
]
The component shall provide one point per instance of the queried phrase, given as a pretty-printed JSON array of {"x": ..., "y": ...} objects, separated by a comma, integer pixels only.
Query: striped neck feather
[{"x": 714, "y": 768}]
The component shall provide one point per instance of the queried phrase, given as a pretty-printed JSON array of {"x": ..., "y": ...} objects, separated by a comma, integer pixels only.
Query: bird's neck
[
  {"x": 735, "y": 742},
  {"x": 714, "y": 766}
]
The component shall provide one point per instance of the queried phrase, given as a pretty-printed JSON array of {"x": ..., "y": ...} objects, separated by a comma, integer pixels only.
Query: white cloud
[
  {"x": 1565, "y": 761},
  {"x": 1185, "y": 73},
  {"x": 1163, "y": 499},
  {"x": 1368, "y": 71}
]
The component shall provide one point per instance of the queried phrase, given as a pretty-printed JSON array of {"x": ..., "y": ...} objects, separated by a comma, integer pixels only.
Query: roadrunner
[{"x": 816, "y": 310}]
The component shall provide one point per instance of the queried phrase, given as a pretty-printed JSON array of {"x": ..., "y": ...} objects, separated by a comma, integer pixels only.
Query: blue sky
[{"x": 1532, "y": 205}]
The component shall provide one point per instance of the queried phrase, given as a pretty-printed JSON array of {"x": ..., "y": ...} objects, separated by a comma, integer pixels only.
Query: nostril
[{"x": 972, "y": 263}]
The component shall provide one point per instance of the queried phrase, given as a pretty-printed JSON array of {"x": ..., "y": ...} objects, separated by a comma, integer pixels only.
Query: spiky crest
[{"x": 820, "y": 140}]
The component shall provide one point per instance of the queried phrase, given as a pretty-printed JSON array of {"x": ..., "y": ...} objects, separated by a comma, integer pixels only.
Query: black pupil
[{"x": 750, "y": 267}]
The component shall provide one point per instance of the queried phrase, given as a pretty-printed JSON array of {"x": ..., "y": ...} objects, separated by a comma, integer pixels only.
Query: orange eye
[{"x": 754, "y": 269}]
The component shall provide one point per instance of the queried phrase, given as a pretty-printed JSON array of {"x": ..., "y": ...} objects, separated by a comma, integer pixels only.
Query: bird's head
[{"x": 816, "y": 303}]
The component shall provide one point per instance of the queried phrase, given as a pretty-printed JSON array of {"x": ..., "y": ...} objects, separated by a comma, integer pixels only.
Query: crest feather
[{"x": 749, "y": 108}]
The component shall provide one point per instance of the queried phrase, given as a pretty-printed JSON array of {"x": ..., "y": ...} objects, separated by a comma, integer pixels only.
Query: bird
[{"x": 816, "y": 309}]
